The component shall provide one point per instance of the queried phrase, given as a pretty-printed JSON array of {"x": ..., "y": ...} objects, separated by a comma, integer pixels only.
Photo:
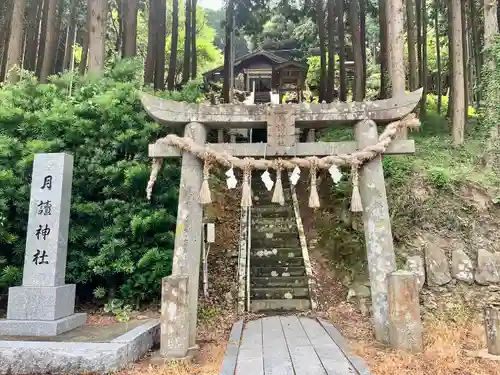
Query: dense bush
[{"x": 119, "y": 243}]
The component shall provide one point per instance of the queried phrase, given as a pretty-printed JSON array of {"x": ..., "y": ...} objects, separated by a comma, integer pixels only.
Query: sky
[{"x": 211, "y": 4}]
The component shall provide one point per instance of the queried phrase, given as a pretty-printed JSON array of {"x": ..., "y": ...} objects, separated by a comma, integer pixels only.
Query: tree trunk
[
  {"x": 227, "y": 52},
  {"x": 476, "y": 43},
  {"x": 173, "y": 46},
  {"x": 32, "y": 35},
  {"x": 356, "y": 46},
  {"x": 418, "y": 8},
  {"x": 43, "y": 37},
  {"x": 425, "y": 68},
  {"x": 120, "y": 4},
  {"x": 396, "y": 51},
  {"x": 161, "y": 31},
  {"x": 70, "y": 36},
  {"x": 149, "y": 68},
  {"x": 458, "y": 115},
  {"x": 330, "y": 87},
  {"x": 340, "y": 27},
  {"x": 362, "y": 30},
  {"x": 187, "y": 43},
  {"x": 194, "y": 62},
  {"x": 490, "y": 22},
  {"x": 50, "y": 42},
  {"x": 465, "y": 57},
  {"x": 412, "y": 55},
  {"x": 451, "y": 69},
  {"x": 60, "y": 37},
  {"x": 15, "y": 48},
  {"x": 438, "y": 56},
  {"x": 130, "y": 31},
  {"x": 98, "y": 10},
  {"x": 85, "y": 50},
  {"x": 384, "y": 55},
  {"x": 5, "y": 15}
]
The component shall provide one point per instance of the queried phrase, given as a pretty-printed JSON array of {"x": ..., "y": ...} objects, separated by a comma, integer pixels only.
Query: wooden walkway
[{"x": 289, "y": 345}]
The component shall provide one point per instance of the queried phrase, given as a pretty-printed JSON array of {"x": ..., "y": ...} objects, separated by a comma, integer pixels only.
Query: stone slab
[
  {"x": 41, "y": 327},
  {"x": 36, "y": 357},
  {"x": 140, "y": 339},
  {"x": 41, "y": 303},
  {"x": 20, "y": 357},
  {"x": 231, "y": 354},
  {"x": 85, "y": 333}
]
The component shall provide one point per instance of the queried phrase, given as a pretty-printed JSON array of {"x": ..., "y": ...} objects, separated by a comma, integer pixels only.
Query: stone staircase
[{"x": 278, "y": 280}]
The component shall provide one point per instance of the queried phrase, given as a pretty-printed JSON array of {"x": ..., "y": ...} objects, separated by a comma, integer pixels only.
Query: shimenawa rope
[{"x": 210, "y": 157}]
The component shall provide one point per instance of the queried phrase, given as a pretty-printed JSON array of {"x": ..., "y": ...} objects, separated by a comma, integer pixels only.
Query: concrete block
[
  {"x": 41, "y": 327},
  {"x": 41, "y": 303}
]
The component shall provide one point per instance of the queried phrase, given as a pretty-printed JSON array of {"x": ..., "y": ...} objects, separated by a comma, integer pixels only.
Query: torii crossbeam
[{"x": 281, "y": 122}]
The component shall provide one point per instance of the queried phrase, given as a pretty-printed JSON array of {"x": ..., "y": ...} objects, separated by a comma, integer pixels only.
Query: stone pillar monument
[{"x": 44, "y": 304}]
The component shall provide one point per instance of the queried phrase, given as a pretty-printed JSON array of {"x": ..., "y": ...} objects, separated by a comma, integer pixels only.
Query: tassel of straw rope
[
  {"x": 356, "y": 205},
  {"x": 246, "y": 194},
  {"x": 313, "y": 197},
  {"x": 278, "y": 196},
  {"x": 205, "y": 196},
  {"x": 157, "y": 164}
]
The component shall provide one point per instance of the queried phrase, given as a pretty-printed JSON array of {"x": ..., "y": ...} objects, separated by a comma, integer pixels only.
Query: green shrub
[
  {"x": 119, "y": 242},
  {"x": 439, "y": 178}
]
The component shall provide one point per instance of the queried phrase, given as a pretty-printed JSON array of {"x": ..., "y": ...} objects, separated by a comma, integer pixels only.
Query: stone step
[
  {"x": 285, "y": 228},
  {"x": 265, "y": 197},
  {"x": 272, "y": 305},
  {"x": 273, "y": 271},
  {"x": 278, "y": 293},
  {"x": 290, "y": 252},
  {"x": 276, "y": 243},
  {"x": 276, "y": 221},
  {"x": 276, "y": 261},
  {"x": 280, "y": 282},
  {"x": 277, "y": 240},
  {"x": 272, "y": 211}
]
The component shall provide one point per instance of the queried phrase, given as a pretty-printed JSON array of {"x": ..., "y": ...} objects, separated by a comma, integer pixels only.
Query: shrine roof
[{"x": 273, "y": 58}]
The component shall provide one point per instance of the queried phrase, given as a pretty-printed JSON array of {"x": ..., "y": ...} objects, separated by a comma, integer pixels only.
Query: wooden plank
[
  {"x": 357, "y": 362},
  {"x": 307, "y": 115},
  {"x": 277, "y": 359},
  {"x": 231, "y": 355},
  {"x": 306, "y": 362},
  {"x": 304, "y": 358},
  {"x": 333, "y": 359},
  {"x": 250, "y": 356},
  {"x": 402, "y": 147}
]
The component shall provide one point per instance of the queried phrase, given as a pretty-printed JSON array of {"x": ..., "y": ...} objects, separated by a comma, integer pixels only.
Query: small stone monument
[{"x": 44, "y": 304}]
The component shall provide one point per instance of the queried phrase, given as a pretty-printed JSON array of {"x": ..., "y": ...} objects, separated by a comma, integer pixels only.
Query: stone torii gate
[{"x": 179, "y": 312}]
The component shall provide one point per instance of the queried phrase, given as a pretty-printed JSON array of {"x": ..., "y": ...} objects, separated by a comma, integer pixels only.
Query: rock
[
  {"x": 488, "y": 267},
  {"x": 415, "y": 264},
  {"x": 461, "y": 266},
  {"x": 358, "y": 290},
  {"x": 437, "y": 267}
]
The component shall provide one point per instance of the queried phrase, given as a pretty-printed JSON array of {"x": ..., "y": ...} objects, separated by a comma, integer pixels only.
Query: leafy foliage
[{"x": 118, "y": 240}]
